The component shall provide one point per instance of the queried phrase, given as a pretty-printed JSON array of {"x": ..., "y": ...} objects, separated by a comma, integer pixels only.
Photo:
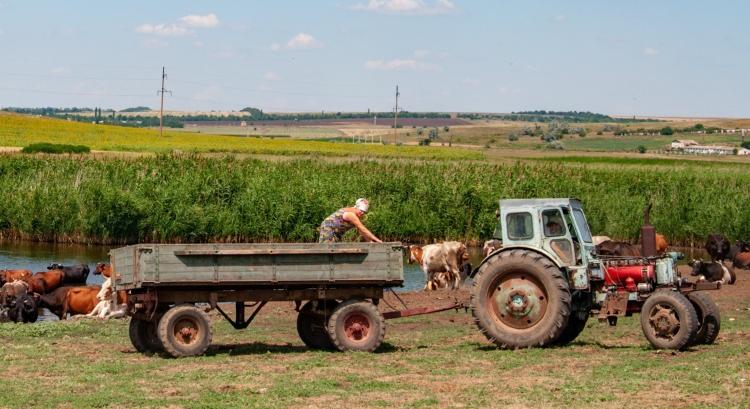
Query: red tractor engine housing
[{"x": 628, "y": 276}]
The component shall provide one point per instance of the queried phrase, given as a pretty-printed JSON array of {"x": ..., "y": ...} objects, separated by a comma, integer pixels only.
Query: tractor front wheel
[{"x": 668, "y": 320}]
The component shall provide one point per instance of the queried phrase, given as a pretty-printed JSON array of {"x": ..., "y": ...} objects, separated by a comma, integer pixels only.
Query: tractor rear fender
[{"x": 504, "y": 249}]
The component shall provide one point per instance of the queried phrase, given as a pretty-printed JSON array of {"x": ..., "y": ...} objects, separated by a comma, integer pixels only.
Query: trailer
[{"x": 336, "y": 289}]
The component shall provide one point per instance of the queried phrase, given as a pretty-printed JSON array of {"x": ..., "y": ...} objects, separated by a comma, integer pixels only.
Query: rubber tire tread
[
  {"x": 709, "y": 318},
  {"x": 688, "y": 320},
  {"x": 542, "y": 269},
  {"x": 307, "y": 333},
  {"x": 138, "y": 335},
  {"x": 339, "y": 314},
  {"x": 170, "y": 317},
  {"x": 572, "y": 330}
]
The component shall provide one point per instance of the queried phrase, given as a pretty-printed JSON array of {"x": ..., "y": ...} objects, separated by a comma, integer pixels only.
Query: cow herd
[
  {"x": 445, "y": 264},
  {"x": 62, "y": 290}
]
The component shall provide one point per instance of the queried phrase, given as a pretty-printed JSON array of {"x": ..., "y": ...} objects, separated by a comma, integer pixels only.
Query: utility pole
[
  {"x": 161, "y": 108},
  {"x": 395, "y": 117}
]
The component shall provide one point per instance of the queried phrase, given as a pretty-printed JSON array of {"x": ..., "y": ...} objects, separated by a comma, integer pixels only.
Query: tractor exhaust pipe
[{"x": 648, "y": 234}]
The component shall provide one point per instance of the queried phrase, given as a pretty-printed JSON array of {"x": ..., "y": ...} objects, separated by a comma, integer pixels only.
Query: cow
[
  {"x": 80, "y": 301},
  {"x": 490, "y": 246},
  {"x": 103, "y": 269},
  {"x": 440, "y": 262},
  {"x": 717, "y": 246},
  {"x": 739, "y": 246},
  {"x": 661, "y": 244},
  {"x": 75, "y": 274},
  {"x": 712, "y": 271},
  {"x": 8, "y": 276},
  {"x": 53, "y": 301},
  {"x": 742, "y": 260},
  {"x": 109, "y": 306},
  {"x": 597, "y": 240},
  {"x": 618, "y": 248},
  {"x": 21, "y": 307},
  {"x": 46, "y": 281}
]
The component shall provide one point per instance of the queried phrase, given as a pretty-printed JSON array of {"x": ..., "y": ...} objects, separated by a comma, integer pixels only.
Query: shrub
[
  {"x": 55, "y": 148},
  {"x": 512, "y": 137},
  {"x": 641, "y": 149},
  {"x": 746, "y": 144},
  {"x": 555, "y": 145},
  {"x": 667, "y": 130}
]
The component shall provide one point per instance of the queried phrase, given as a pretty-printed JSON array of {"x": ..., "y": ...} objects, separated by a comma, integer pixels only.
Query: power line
[{"x": 161, "y": 108}]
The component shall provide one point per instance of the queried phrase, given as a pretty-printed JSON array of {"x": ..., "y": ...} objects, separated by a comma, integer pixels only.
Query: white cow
[
  {"x": 440, "y": 263},
  {"x": 108, "y": 306}
]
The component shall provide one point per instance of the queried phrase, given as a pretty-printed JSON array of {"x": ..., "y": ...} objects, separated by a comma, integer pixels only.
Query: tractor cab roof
[{"x": 510, "y": 203}]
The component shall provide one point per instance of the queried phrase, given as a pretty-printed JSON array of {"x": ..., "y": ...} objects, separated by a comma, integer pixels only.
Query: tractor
[{"x": 546, "y": 279}]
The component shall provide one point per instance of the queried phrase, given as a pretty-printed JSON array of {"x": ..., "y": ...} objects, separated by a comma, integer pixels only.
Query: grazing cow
[
  {"x": 490, "y": 246},
  {"x": 103, "y": 269},
  {"x": 46, "y": 281},
  {"x": 80, "y": 301},
  {"x": 597, "y": 240},
  {"x": 713, "y": 271},
  {"x": 440, "y": 263},
  {"x": 109, "y": 306},
  {"x": 75, "y": 274},
  {"x": 739, "y": 246},
  {"x": 54, "y": 300},
  {"x": 717, "y": 247},
  {"x": 21, "y": 307},
  {"x": 8, "y": 276},
  {"x": 618, "y": 248}
]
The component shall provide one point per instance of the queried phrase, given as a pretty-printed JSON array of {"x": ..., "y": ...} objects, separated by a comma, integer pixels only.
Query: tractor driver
[{"x": 339, "y": 222}]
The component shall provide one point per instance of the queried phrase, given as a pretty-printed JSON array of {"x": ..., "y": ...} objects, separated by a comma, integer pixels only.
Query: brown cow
[
  {"x": 46, "y": 281},
  {"x": 661, "y": 244},
  {"x": 742, "y": 260},
  {"x": 103, "y": 269},
  {"x": 80, "y": 301},
  {"x": 618, "y": 248},
  {"x": 8, "y": 276},
  {"x": 53, "y": 301}
]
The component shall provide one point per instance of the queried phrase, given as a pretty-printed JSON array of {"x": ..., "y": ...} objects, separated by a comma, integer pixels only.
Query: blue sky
[{"x": 683, "y": 58}]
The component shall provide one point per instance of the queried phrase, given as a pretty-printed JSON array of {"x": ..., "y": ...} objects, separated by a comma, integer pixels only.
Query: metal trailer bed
[{"x": 340, "y": 284}]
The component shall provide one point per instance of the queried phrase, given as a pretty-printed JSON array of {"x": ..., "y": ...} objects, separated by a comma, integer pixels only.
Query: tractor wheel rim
[
  {"x": 518, "y": 301},
  {"x": 357, "y": 327},
  {"x": 186, "y": 331},
  {"x": 664, "y": 321}
]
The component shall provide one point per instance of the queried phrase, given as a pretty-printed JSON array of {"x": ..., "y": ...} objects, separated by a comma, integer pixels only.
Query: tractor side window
[
  {"x": 520, "y": 226},
  {"x": 554, "y": 226}
]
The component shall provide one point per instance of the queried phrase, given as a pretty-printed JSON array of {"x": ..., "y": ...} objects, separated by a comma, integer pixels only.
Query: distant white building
[
  {"x": 682, "y": 143},
  {"x": 743, "y": 151},
  {"x": 689, "y": 146}
]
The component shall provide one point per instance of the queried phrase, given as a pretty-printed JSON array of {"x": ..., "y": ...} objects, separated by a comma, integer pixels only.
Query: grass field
[
  {"x": 430, "y": 361},
  {"x": 18, "y": 130}
]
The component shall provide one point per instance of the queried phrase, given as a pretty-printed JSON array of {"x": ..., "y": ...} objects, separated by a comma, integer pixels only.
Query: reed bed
[{"x": 189, "y": 198}]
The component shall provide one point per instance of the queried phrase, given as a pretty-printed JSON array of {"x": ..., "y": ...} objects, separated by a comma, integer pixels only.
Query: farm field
[
  {"x": 19, "y": 131},
  {"x": 431, "y": 361}
]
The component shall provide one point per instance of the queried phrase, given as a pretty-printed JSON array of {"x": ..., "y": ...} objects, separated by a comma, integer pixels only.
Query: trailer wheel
[
  {"x": 143, "y": 336},
  {"x": 709, "y": 320},
  {"x": 311, "y": 323},
  {"x": 184, "y": 330},
  {"x": 668, "y": 320},
  {"x": 520, "y": 299},
  {"x": 356, "y": 325}
]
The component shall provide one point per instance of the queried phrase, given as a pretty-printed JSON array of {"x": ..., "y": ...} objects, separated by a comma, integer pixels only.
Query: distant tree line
[{"x": 553, "y": 116}]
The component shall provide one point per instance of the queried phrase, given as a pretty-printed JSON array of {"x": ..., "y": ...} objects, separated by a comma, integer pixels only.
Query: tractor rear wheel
[
  {"x": 668, "y": 320},
  {"x": 520, "y": 299},
  {"x": 311, "y": 323},
  {"x": 575, "y": 326},
  {"x": 709, "y": 320}
]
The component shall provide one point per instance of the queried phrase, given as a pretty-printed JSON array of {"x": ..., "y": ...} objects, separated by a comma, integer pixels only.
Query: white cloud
[
  {"x": 155, "y": 43},
  {"x": 399, "y": 64},
  {"x": 560, "y": 17},
  {"x": 198, "y": 44},
  {"x": 303, "y": 40},
  {"x": 166, "y": 30},
  {"x": 271, "y": 76},
  {"x": 198, "y": 21},
  {"x": 59, "y": 70},
  {"x": 420, "y": 53},
  {"x": 650, "y": 51},
  {"x": 406, "y": 6}
]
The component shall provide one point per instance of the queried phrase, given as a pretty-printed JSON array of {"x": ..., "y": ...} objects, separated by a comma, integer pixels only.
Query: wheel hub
[
  {"x": 185, "y": 331},
  {"x": 664, "y": 321},
  {"x": 356, "y": 327},
  {"x": 518, "y": 301}
]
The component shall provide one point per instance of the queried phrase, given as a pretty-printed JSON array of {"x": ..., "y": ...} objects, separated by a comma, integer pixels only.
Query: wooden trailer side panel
[{"x": 184, "y": 264}]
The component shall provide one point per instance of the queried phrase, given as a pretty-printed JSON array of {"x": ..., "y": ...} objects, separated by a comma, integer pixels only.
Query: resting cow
[
  {"x": 109, "y": 305},
  {"x": 440, "y": 262},
  {"x": 713, "y": 271},
  {"x": 75, "y": 274},
  {"x": 718, "y": 247},
  {"x": 80, "y": 301},
  {"x": 597, "y": 240},
  {"x": 618, "y": 248}
]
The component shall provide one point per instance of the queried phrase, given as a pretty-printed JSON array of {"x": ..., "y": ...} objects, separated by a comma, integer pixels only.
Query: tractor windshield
[{"x": 583, "y": 227}]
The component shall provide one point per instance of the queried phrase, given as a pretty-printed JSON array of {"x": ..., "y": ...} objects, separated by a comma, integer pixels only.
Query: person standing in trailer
[{"x": 337, "y": 224}]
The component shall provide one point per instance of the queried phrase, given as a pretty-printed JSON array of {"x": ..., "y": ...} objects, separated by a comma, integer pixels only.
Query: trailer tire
[
  {"x": 520, "y": 299},
  {"x": 184, "y": 330},
  {"x": 311, "y": 324},
  {"x": 143, "y": 336},
  {"x": 669, "y": 320},
  {"x": 356, "y": 325},
  {"x": 709, "y": 319}
]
